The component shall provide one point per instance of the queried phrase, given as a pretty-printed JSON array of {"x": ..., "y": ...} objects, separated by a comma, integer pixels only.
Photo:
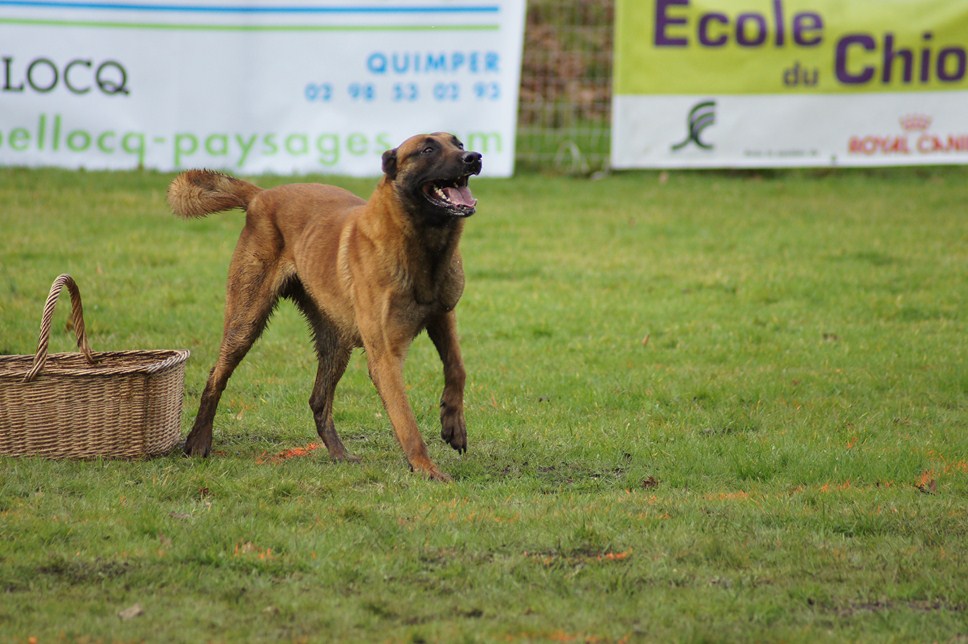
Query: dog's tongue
[{"x": 461, "y": 196}]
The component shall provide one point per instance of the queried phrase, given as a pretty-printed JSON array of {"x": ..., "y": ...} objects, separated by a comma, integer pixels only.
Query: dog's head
[{"x": 429, "y": 172}]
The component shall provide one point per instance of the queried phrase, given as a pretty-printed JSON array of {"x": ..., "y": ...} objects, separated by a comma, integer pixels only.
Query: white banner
[
  {"x": 780, "y": 83},
  {"x": 296, "y": 87},
  {"x": 786, "y": 131}
]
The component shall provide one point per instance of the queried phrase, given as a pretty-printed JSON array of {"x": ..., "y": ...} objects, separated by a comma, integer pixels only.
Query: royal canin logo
[{"x": 914, "y": 139}]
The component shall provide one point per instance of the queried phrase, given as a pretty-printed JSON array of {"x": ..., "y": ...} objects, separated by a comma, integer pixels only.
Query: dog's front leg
[
  {"x": 443, "y": 333},
  {"x": 386, "y": 371}
]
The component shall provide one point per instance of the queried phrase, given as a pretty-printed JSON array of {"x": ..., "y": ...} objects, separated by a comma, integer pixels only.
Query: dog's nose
[{"x": 470, "y": 158}]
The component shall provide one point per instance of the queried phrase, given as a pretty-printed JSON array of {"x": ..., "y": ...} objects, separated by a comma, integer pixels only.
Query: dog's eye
[{"x": 428, "y": 150}]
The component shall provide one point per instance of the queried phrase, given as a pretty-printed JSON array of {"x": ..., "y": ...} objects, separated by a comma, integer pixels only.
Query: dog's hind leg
[
  {"x": 333, "y": 354},
  {"x": 333, "y": 358},
  {"x": 251, "y": 295}
]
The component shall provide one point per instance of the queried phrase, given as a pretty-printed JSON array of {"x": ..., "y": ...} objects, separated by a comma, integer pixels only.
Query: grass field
[{"x": 701, "y": 407}]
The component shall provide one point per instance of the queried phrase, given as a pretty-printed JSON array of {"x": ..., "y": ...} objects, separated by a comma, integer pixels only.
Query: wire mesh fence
[{"x": 566, "y": 86}]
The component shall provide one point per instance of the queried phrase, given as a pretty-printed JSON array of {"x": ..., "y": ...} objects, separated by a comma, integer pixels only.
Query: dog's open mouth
[{"x": 453, "y": 196}]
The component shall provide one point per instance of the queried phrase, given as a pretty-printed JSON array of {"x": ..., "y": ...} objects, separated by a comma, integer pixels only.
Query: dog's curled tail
[{"x": 197, "y": 193}]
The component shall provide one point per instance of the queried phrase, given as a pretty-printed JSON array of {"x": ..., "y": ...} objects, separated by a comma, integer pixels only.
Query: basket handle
[{"x": 77, "y": 315}]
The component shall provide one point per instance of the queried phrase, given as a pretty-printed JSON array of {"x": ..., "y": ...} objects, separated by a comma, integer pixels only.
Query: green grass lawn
[{"x": 701, "y": 407}]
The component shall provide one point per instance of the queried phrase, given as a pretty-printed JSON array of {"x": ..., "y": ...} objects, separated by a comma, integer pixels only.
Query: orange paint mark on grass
[
  {"x": 249, "y": 548},
  {"x": 829, "y": 487},
  {"x": 927, "y": 482},
  {"x": 485, "y": 517},
  {"x": 285, "y": 455}
]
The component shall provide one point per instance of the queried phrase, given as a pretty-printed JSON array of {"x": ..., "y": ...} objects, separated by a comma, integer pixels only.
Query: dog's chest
[{"x": 439, "y": 287}]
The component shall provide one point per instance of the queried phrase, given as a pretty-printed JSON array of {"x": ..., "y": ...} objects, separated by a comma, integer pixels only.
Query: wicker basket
[{"x": 121, "y": 404}]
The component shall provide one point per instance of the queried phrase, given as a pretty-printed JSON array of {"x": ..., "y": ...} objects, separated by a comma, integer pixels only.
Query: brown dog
[{"x": 364, "y": 273}]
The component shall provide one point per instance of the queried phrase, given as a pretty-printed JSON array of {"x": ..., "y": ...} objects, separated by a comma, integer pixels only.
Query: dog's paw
[
  {"x": 191, "y": 451},
  {"x": 197, "y": 444},
  {"x": 430, "y": 470},
  {"x": 346, "y": 457},
  {"x": 453, "y": 428},
  {"x": 436, "y": 475}
]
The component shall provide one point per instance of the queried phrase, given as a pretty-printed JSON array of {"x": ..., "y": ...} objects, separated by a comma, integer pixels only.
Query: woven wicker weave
[{"x": 121, "y": 404}]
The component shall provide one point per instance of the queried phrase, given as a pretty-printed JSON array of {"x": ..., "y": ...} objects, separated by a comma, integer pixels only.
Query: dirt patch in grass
[{"x": 85, "y": 572}]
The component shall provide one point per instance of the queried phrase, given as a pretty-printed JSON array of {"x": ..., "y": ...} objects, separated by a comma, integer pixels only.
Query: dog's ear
[{"x": 390, "y": 164}]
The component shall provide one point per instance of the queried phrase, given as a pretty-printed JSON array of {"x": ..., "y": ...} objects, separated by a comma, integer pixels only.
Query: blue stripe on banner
[{"x": 127, "y": 6}]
